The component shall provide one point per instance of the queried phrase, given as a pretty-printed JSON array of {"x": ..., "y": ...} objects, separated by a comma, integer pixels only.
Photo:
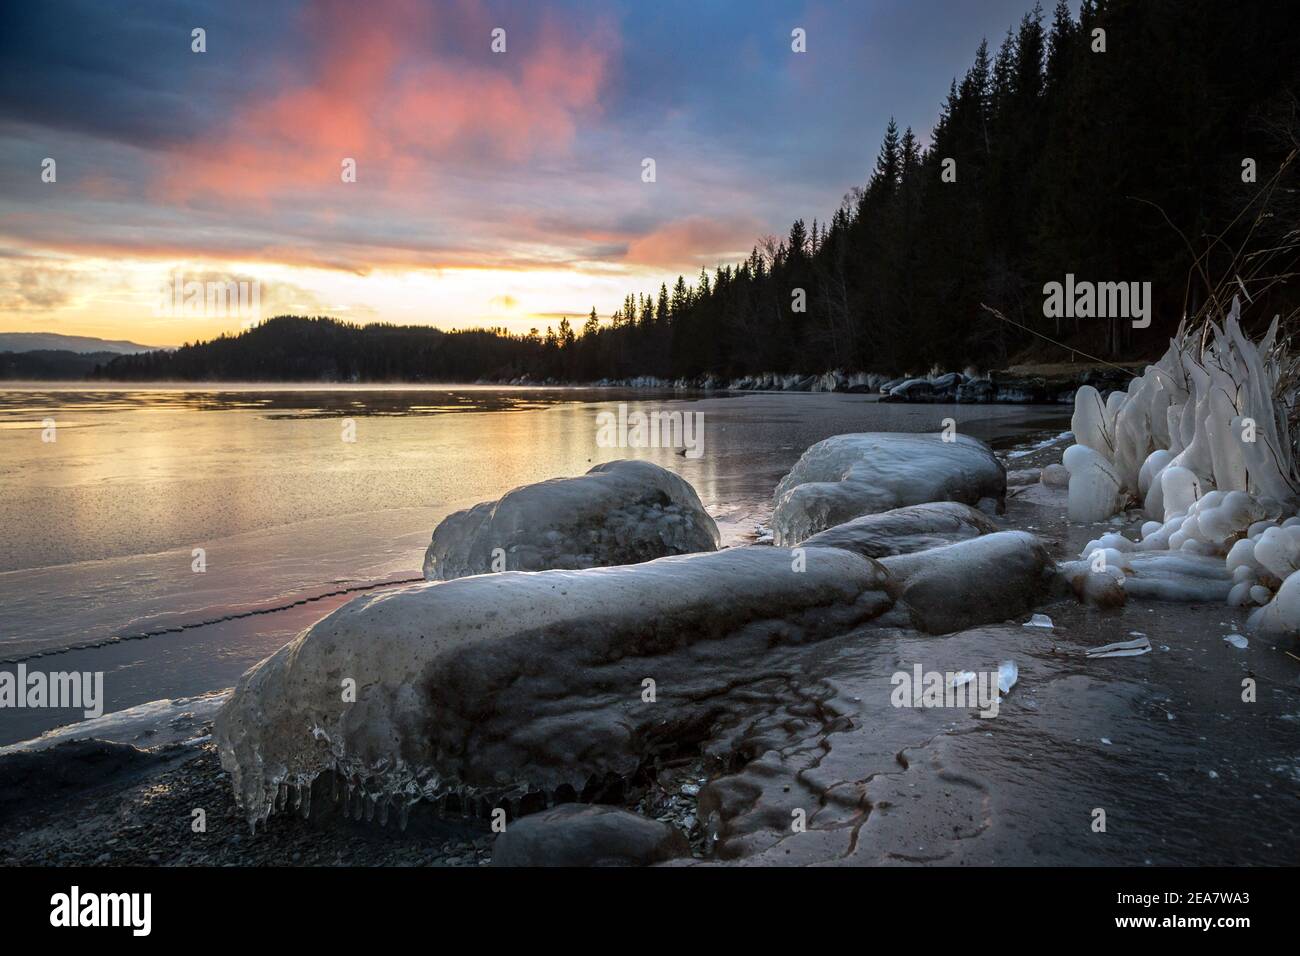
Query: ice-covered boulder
[
  {"x": 526, "y": 682},
  {"x": 619, "y": 512},
  {"x": 980, "y": 581},
  {"x": 1094, "y": 488},
  {"x": 846, "y": 476},
  {"x": 1108, "y": 577},
  {"x": 904, "y": 530}
]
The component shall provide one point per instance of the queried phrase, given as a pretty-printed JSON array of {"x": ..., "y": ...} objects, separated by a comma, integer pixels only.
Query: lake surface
[{"x": 98, "y": 527}]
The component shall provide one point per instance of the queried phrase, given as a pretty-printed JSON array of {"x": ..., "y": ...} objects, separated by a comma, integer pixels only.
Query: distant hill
[
  {"x": 300, "y": 349},
  {"x": 54, "y": 342}
]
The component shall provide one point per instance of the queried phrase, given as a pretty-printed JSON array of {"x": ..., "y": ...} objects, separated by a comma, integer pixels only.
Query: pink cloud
[
  {"x": 372, "y": 90},
  {"x": 693, "y": 242}
]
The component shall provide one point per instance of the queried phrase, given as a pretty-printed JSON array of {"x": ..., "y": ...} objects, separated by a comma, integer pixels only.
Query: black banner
[{"x": 343, "y": 904}]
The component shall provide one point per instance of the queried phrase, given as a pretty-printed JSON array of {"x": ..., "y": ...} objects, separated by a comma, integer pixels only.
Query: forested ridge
[{"x": 1122, "y": 165}]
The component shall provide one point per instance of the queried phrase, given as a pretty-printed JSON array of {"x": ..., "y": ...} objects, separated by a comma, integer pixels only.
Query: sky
[{"x": 501, "y": 189}]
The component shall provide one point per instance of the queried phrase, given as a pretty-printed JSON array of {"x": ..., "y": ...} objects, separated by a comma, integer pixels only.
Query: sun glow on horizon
[{"x": 131, "y": 298}]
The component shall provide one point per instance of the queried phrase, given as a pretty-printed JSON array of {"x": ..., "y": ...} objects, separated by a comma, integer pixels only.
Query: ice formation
[
  {"x": 527, "y": 682},
  {"x": 1200, "y": 440},
  {"x": 904, "y": 530},
  {"x": 1280, "y": 614},
  {"x": 1201, "y": 418},
  {"x": 619, "y": 512},
  {"x": 985, "y": 579},
  {"x": 846, "y": 476}
]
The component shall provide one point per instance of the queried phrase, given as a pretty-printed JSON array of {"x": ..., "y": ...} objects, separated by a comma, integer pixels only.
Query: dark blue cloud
[{"x": 125, "y": 71}]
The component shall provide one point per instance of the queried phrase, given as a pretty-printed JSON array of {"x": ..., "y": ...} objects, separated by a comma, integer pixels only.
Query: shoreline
[
  {"x": 1045, "y": 384},
  {"x": 1136, "y": 721}
]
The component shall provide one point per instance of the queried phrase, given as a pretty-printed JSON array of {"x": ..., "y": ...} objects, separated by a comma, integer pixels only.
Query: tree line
[{"x": 1112, "y": 146}]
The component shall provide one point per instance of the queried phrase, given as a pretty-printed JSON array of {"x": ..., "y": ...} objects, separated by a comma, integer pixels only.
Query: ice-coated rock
[
  {"x": 521, "y": 682},
  {"x": 980, "y": 581},
  {"x": 1108, "y": 577},
  {"x": 574, "y": 834},
  {"x": 1094, "y": 487},
  {"x": 1277, "y": 551},
  {"x": 1280, "y": 617},
  {"x": 1099, "y": 585},
  {"x": 904, "y": 530},
  {"x": 846, "y": 476},
  {"x": 619, "y": 512},
  {"x": 1177, "y": 576}
]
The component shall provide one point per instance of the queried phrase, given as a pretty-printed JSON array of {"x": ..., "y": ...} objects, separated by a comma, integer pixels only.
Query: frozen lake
[{"x": 101, "y": 524}]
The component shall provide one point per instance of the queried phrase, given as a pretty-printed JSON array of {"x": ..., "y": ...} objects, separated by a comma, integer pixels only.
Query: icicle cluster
[{"x": 1199, "y": 440}]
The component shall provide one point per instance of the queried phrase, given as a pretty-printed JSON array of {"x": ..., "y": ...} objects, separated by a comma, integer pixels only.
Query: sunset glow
[{"x": 497, "y": 189}]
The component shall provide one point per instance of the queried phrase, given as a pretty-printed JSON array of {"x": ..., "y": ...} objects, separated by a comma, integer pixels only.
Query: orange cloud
[
  {"x": 373, "y": 92},
  {"x": 694, "y": 242}
]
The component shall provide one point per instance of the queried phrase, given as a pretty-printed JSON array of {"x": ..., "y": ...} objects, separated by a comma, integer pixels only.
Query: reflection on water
[
  {"x": 100, "y": 526},
  {"x": 19, "y": 402}
]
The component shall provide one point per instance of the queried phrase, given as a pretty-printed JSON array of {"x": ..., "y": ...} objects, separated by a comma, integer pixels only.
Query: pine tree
[{"x": 884, "y": 179}]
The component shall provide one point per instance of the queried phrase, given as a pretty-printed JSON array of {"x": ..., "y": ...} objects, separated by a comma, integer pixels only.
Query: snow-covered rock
[
  {"x": 980, "y": 581},
  {"x": 619, "y": 512},
  {"x": 904, "y": 530},
  {"x": 516, "y": 682},
  {"x": 846, "y": 476}
]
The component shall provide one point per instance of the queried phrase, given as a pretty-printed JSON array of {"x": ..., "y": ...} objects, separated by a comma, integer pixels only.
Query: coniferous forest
[{"x": 1122, "y": 164}]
